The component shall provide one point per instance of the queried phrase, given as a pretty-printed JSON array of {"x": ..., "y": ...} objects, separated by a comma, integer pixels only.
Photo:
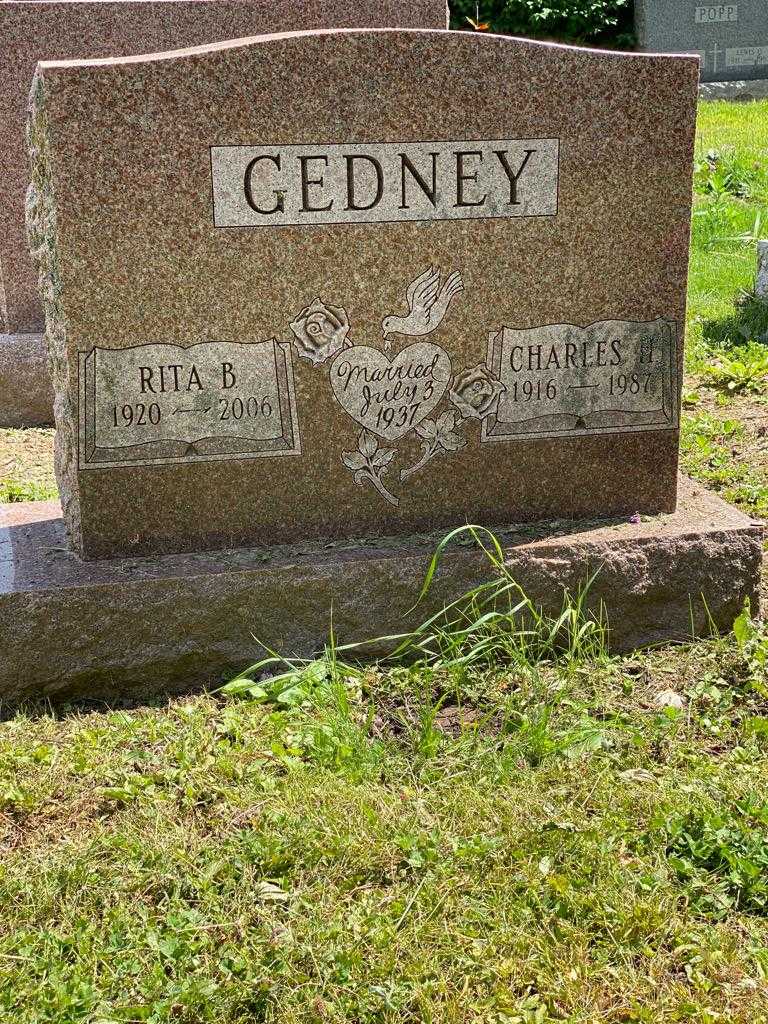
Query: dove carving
[{"x": 428, "y": 303}]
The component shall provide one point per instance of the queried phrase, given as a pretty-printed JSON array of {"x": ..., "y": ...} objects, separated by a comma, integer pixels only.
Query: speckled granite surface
[
  {"x": 26, "y": 393},
  {"x": 123, "y": 223},
  {"x": 50, "y": 30}
]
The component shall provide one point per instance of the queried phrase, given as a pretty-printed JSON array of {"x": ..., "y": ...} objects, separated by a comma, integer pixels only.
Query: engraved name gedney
[
  {"x": 268, "y": 186},
  {"x": 159, "y": 403}
]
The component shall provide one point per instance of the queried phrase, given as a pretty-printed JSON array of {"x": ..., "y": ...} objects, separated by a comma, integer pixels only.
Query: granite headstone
[
  {"x": 33, "y": 30},
  {"x": 329, "y": 284},
  {"x": 730, "y": 38}
]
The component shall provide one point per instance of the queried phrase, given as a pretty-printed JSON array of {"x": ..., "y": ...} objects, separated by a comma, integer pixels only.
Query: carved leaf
[
  {"x": 353, "y": 460},
  {"x": 367, "y": 443},
  {"x": 427, "y": 428},
  {"x": 446, "y": 421},
  {"x": 452, "y": 441},
  {"x": 383, "y": 456}
]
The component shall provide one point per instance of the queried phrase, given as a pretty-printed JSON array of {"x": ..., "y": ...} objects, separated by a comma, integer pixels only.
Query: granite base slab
[
  {"x": 742, "y": 91},
  {"x": 26, "y": 391},
  {"x": 134, "y": 627}
]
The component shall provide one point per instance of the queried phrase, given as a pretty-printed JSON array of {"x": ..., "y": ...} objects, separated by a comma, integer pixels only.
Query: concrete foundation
[
  {"x": 147, "y": 625},
  {"x": 741, "y": 91},
  {"x": 26, "y": 391}
]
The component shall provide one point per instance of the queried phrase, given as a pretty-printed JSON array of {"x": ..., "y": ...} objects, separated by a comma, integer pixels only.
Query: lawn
[
  {"x": 545, "y": 833},
  {"x": 725, "y": 426}
]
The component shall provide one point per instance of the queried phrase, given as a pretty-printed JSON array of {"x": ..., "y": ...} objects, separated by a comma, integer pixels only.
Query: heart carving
[{"x": 389, "y": 397}]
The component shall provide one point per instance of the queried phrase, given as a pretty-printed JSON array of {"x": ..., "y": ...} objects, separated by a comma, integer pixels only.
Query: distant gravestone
[
  {"x": 761, "y": 278},
  {"x": 31, "y": 30},
  {"x": 321, "y": 285},
  {"x": 730, "y": 38}
]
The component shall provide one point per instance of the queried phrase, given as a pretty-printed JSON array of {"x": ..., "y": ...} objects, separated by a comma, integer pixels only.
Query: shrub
[{"x": 604, "y": 22}]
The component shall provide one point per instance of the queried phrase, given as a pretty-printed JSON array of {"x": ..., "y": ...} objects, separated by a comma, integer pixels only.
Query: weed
[
  {"x": 744, "y": 370},
  {"x": 726, "y": 172},
  {"x": 26, "y": 490},
  {"x": 491, "y": 624},
  {"x": 715, "y": 223},
  {"x": 752, "y": 640},
  {"x": 709, "y": 449},
  {"x": 721, "y": 855}
]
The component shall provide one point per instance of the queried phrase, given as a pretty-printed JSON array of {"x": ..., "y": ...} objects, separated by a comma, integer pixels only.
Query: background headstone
[
  {"x": 761, "y": 278},
  {"x": 65, "y": 29},
  {"x": 730, "y": 38},
  {"x": 275, "y": 311}
]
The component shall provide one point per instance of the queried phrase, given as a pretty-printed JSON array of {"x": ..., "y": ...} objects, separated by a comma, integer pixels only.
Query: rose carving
[
  {"x": 321, "y": 331},
  {"x": 475, "y": 392}
]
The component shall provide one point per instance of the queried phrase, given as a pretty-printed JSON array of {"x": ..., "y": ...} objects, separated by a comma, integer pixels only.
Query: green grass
[
  {"x": 26, "y": 465},
  {"x": 716, "y": 451},
  {"x": 26, "y": 490},
  {"x": 727, "y": 329},
  {"x": 502, "y": 825},
  {"x": 742, "y": 127},
  {"x": 731, "y": 202},
  {"x": 536, "y": 842}
]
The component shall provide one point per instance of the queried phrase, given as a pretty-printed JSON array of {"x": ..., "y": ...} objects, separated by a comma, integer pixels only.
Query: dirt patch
[
  {"x": 725, "y": 446},
  {"x": 745, "y": 407}
]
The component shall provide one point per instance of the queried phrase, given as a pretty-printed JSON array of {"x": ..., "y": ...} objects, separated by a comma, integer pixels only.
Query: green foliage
[
  {"x": 26, "y": 490},
  {"x": 729, "y": 215},
  {"x": 607, "y": 22},
  {"x": 709, "y": 447},
  {"x": 744, "y": 369},
  {"x": 718, "y": 223},
  {"x": 287, "y": 689},
  {"x": 727, "y": 172},
  {"x": 494, "y": 623},
  {"x": 720, "y": 854},
  {"x": 529, "y": 842},
  {"x": 497, "y": 621},
  {"x": 752, "y": 640}
]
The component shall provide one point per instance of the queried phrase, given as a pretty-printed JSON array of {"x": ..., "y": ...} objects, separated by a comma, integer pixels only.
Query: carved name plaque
[
  {"x": 157, "y": 404},
  {"x": 562, "y": 380},
  {"x": 265, "y": 186},
  {"x": 746, "y": 56}
]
